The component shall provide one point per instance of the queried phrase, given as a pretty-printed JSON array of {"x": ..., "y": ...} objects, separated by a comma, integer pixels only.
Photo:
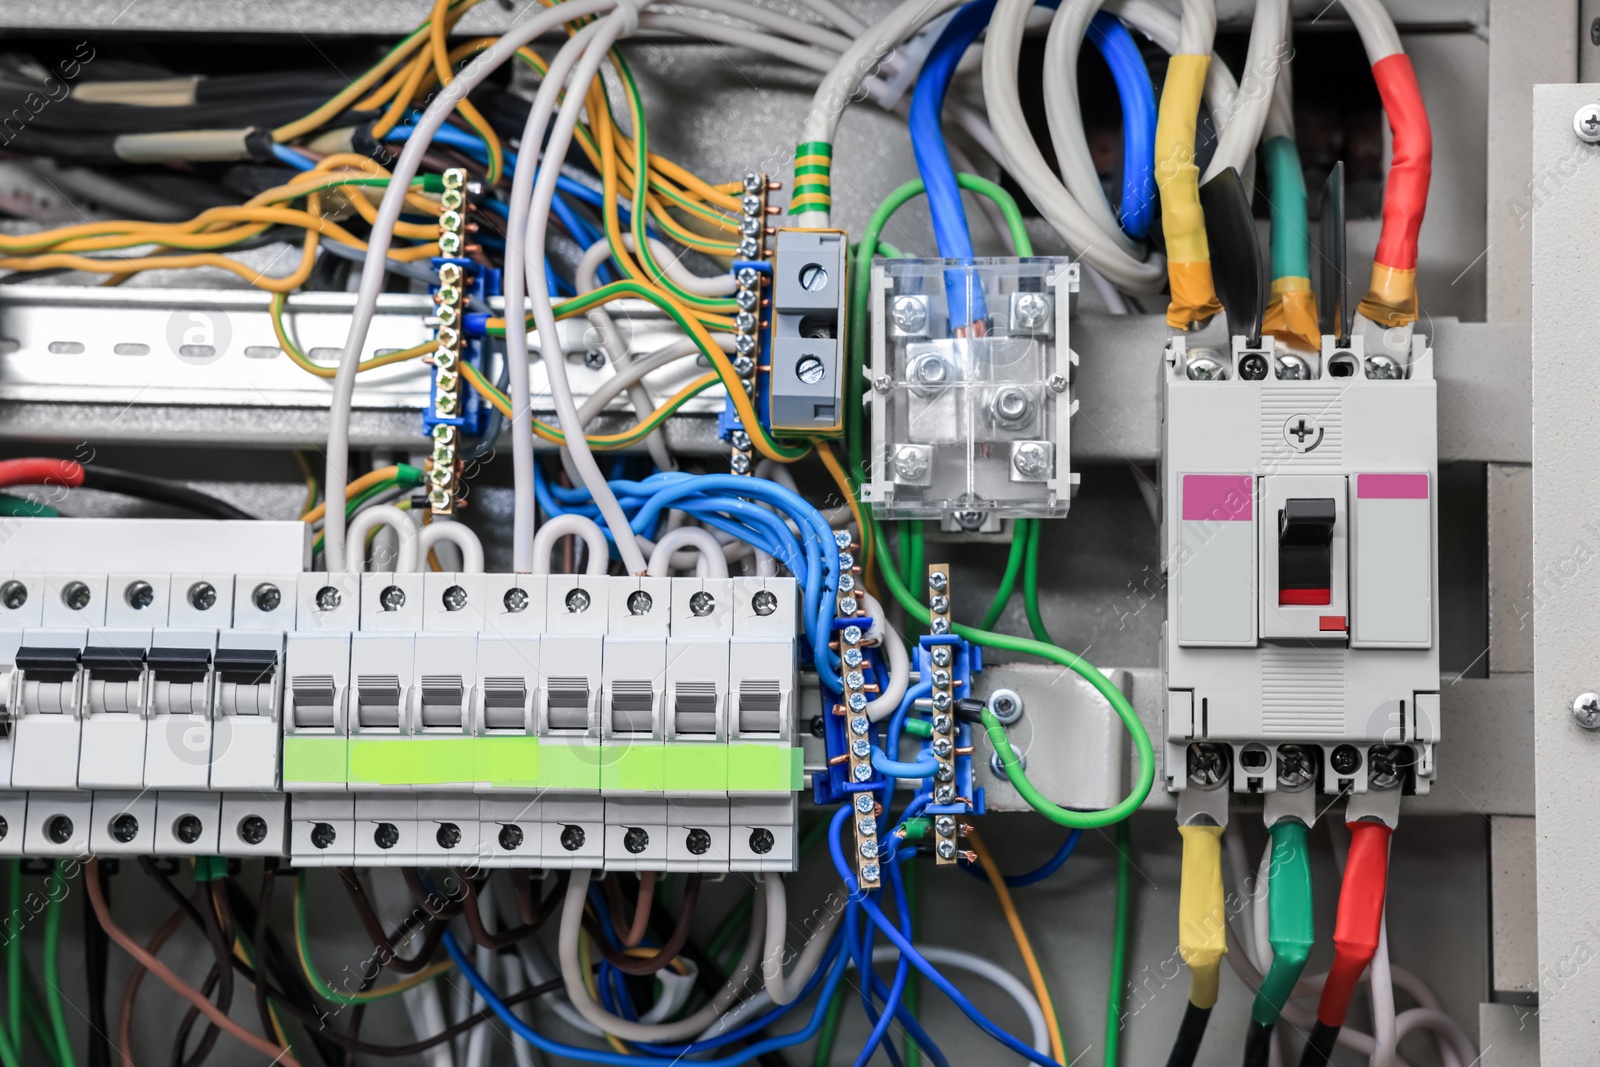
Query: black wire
[
  {"x": 1187, "y": 1044},
  {"x": 160, "y": 491},
  {"x": 1319, "y": 1046},
  {"x": 291, "y": 988},
  {"x": 1257, "y": 1044},
  {"x": 96, "y": 951}
]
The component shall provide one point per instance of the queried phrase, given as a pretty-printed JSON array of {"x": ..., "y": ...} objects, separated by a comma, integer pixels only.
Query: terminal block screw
[
  {"x": 187, "y": 829},
  {"x": 862, "y": 772},
  {"x": 328, "y": 598},
  {"x": 386, "y": 836},
  {"x": 863, "y": 802},
  {"x": 252, "y": 829},
  {"x": 761, "y": 841},
  {"x": 910, "y": 462},
  {"x": 861, "y": 748},
  {"x": 1208, "y": 765},
  {"x": 702, "y": 604},
  {"x": 868, "y": 824},
  {"x": 852, "y": 635},
  {"x": 942, "y": 747},
  {"x": 1586, "y": 711},
  {"x": 125, "y": 827},
  {"x": 577, "y": 601},
  {"x": 860, "y": 725},
  {"x": 636, "y": 840},
  {"x": 76, "y": 595},
  {"x": 448, "y": 835},
  {"x": 841, "y": 538},
  {"x": 947, "y": 850},
  {"x": 1296, "y": 768},
  {"x": 910, "y": 314},
  {"x": 139, "y": 595},
  {"x": 455, "y": 598},
  {"x": 945, "y": 794},
  {"x": 765, "y": 602},
  {"x": 323, "y": 835},
  {"x": 941, "y": 724},
  {"x": 1031, "y": 460},
  {"x": 1204, "y": 368},
  {"x": 697, "y": 841},
  {"x": 1030, "y": 309},
  {"x": 739, "y": 463},
  {"x": 510, "y": 837},
  {"x": 869, "y": 872},
  {"x": 869, "y": 849},
  {"x": 944, "y": 825},
  {"x": 1384, "y": 369},
  {"x": 393, "y": 598},
  {"x": 1346, "y": 759},
  {"x": 640, "y": 602},
  {"x": 941, "y": 655},
  {"x": 516, "y": 600},
  {"x": 1386, "y": 767},
  {"x": 572, "y": 838},
  {"x": 941, "y": 677},
  {"x": 13, "y": 595}
]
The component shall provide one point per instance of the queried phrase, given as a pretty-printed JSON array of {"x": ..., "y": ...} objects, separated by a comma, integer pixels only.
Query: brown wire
[
  {"x": 474, "y": 917},
  {"x": 522, "y": 883},
  {"x": 130, "y": 988},
  {"x": 172, "y": 981},
  {"x": 663, "y": 956},
  {"x": 630, "y": 933},
  {"x": 433, "y": 932},
  {"x": 425, "y": 899}
]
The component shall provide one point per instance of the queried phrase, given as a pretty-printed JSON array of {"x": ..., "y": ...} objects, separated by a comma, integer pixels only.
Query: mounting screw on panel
[
  {"x": 883, "y": 383},
  {"x": 912, "y": 465},
  {"x": 1586, "y": 711},
  {"x": 997, "y": 766},
  {"x": 1006, "y": 706},
  {"x": 1586, "y": 123},
  {"x": 910, "y": 314},
  {"x": 1030, "y": 461},
  {"x": 1030, "y": 313},
  {"x": 1057, "y": 383}
]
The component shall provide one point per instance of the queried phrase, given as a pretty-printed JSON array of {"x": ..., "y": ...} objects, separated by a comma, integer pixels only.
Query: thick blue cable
[
  {"x": 1038, "y": 874},
  {"x": 1137, "y": 95}
]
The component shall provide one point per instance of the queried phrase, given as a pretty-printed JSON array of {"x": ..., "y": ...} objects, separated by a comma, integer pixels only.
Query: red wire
[
  {"x": 40, "y": 472},
  {"x": 1355, "y": 934},
  {"x": 1405, "y": 195}
]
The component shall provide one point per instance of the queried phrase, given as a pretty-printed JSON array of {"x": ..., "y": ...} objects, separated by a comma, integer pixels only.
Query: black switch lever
[{"x": 1305, "y": 551}]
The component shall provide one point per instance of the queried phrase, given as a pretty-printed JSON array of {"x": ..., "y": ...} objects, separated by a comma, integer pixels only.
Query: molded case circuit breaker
[{"x": 1300, "y": 539}]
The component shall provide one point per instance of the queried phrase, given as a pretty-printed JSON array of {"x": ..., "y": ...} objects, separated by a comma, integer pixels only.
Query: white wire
[
  {"x": 1378, "y": 34},
  {"x": 458, "y": 535},
  {"x": 708, "y": 548},
  {"x": 853, "y": 65},
  {"x": 744, "y": 976},
  {"x": 523, "y": 1054},
  {"x": 837, "y": 15},
  {"x": 772, "y": 21},
  {"x": 1455, "y": 1047},
  {"x": 894, "y": 650},
  {"x": 426, "y": 1015},
  {"x": 443, "y": 104},
  {"x": 1238, "y": 137},
  {"x": 674, "y": 994},
  {"x": 524, "y": 255},
  {"x": 783, "y": 989},
  {"x": 1063, "y": 112},
  {"x": 1027, "y": 164},
  {"x": 561, "y": 526},
  {"x": 618, "y": 24},
  {"x": 1262, "y": 910},
  {"x": 1239, "y": 867},
  {"x": 1199, "y": 27},
  {"x": 405, "y": 557},
  {"x": 478, "y": 1037},
  {"x": 1381, "y": 990}
]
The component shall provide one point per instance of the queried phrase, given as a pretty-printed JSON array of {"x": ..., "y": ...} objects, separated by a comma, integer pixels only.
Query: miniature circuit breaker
[
  {"x": 1301, "y": 548},
  {"x": 971, "y": 399}
]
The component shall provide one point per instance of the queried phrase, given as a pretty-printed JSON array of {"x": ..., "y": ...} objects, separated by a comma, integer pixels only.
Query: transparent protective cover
[{"x": 971, "y": 387}]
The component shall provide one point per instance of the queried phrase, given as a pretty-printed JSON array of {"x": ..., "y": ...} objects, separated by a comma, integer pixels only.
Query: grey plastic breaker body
[
  {"x": 1300, "y": 534},
  {"x": 806, "y": 345}
]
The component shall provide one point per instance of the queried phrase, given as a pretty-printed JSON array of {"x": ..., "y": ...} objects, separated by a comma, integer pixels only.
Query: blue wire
[
  {"x": 908, "y": 950},
  {"x": 615, "y": 1059},
  {"x": 284, "y": 154},
  {"x": 1040, "y": 873},
  {"x": 1137, "y": 95},
  {"x": 893, "y": 768}
]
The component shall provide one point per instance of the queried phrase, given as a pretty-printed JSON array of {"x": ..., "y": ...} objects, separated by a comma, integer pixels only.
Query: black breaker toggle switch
[{"x": 1305, "y": 551}]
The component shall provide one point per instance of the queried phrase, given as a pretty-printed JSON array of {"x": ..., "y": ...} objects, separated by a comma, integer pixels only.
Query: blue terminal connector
[
  {"x": 966, "y": 661},
  {"x": 469, "y": 409}
]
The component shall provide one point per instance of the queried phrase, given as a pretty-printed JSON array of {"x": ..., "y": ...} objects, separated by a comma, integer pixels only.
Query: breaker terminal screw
[
  {"x": 577, "y": 601},
  {"x": 697, "y": 841},
  {"x": 1384, "y": 369},
  {"x": 1296, "y": 768},
  {"x": 13, "y": 595},
  {"x": 636, "y": 840},
  {"x": 252, "y": 829},
  {"x": 761, "y": 841},
  {"x": 125, "y": 827},
  {"x": 76, "y": 595},
  {"x": 765, "y": 602},
  {"x": 640, "y": 602},
  {"x": 1204, "y": 369},
  {"x": 393, "y": 598},
  {"x": 515, "y": 600},
  {"x": 328, "y": 598},
  {"x": 510, "y": 837},
  {"x": 1208, "y": 765},
  {"x": 322, "y": 835},
  {"x": 448, "y": 835},
  {"x": 139, "y": 595},
  {"x": 572, "y": 838},
  {"x": 1387, "y": 766},
  {"x": 702, "y": 603},
  {"x": 1346, "y": 759},
  {"x": 455, "y": 598},
  {"x": 386, "y": 836}
]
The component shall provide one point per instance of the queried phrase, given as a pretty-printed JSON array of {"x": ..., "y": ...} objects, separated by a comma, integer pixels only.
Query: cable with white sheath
[
  {"x": 712, "y": 559},
  {"x": 1239, "y": 135},
  {"x": 554, "y": 529},
  {"x": 443, "y": 105},
  {"x": 783, "y": 989},
  {"x": 456, "y": 534},
  {"x": 406, "y": 558}
]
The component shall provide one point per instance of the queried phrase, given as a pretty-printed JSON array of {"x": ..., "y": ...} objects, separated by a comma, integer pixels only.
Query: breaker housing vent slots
[
  {"x": 1300, "y": 534},
  {"x": 971, "y": 388}
]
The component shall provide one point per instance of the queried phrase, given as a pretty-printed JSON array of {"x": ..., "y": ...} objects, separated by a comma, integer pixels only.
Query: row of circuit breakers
[{"x": 384, "y": 718}]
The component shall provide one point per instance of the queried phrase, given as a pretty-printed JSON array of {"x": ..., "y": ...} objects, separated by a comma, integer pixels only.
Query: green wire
[
  {"x": 39, "y": 1024},
  {"x": 1083, "y": 820},
  {"x": 1119, "y": 943},
  {"x": 829, "y": 1029},
  {"x": 910, "y": 995},
  {"x": 861, "y": 287},
  {"x": 1021, "y": 536},
  {"x": 1288, "y": 919},
  {"x": 14, "y": 960},
  {"x": 52, "y": 968},
  {"x": 21, "y": 506},
  {"x": 916, "y": 568},
  {"x": 1030, "y": 586},
  {"x": 1291, "y": 242}
]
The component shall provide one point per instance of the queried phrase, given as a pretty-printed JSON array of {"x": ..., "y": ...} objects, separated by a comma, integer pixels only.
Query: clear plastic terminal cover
[{"x": 971, "y": 387}]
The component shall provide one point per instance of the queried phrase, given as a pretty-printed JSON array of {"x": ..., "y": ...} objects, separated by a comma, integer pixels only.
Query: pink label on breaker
[
  {"x": 1218, "y": 497},
  {"x": 1391, "y": 487}
]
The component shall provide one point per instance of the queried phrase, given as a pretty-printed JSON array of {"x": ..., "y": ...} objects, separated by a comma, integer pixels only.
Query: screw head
[
  {"x": 861, "y": 748},
  {"x": 125, "y": 827},
  {"x": 455, "y": 598},
  {"x": 328, "y": 598},
  {"x": 1297, "y": 768},
  {"x": 1006, "y": 705},
  {"x": 1586, "y": 711},
  {"x": 862, "y": 772},
  {"x": 386, "y": 835},
  {"x": 393, "y": 598},
  {"x": 577, "y": 601},
  {"x": 869, "y": 848},
  {"x": 594, "y": 359},
  {"x": 869, "y": 872},
  {"x": 748, "y": 276},
  {"x": 910, "y": 462},
  {"x": 13, "y": 595},
  {"x": 1207, "y": 765},
  {"x": 187, "y": 829},
  {"x": 1032, "y": 459},
  {"x": 941, "y": 701},
  {"x": 1293, "y": 368},
  {"x": 851, "y": 634},
  {"x": 945, "y": 794},
  {"x": 910, "y": 313},
  {"x": 938, "y": 580},
  {"x": 940, "y": 655},
  {"x": 1346, "y": 759},
  {"x": 941, "y": 677},
  {"x": 971, "y": 521},
  {"x": 515, "y": 600},
  {"x": 572, "y": 838},
  {"x": 810, "y": 370},
  {"x": 1012, "y": 406},
  {"x": 640, "y": 602},
  {"x": 1382, "y": 368},
  {"x": 323, "y": 835},
  {"x": 1586, "y": 123},
  {"x": 947, "y": 850},
  {"x": 252, "y": 829},
  {"x": 1204, "y": 369},
  {"x": 76, "y": 595},
  {"x": 867, "y": 824},
  {"x": 266, "y": 597},
  {"x": 860, "y": 724},
  {"x": 59, "y": 829},
  {"x": 510, "y": 837},
  {"x": 702, "y": 604},
  {"x": 139, "y": 595},
  {"x": 1386, "y": 766},
  {"x": 636, "y": 839},
  {"x": 883, "y": 383},
  {"x": 944, "y": 825},
  {"x": 1057, "y": 383},
  {"x": 739, "y": 463},
  {"x": 448, "y": 835},
  {"x": 1030, "y": 310},
  {"x": 942, "y": 747},
  {"x": 1253, "y": 367},
  {"x": 697, "y": 841},
  {"x": 863, "y": 802},
  {"x": 761, "y": 841},
  {"x": 817, "y": 726},
  {"x": 765, "y": 602}
]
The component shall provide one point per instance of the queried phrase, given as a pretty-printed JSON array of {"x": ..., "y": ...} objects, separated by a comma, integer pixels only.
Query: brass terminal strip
[
  {"x": 943, "y": 699},
  {"x": 444, "y": 471},
  {"x": 750, "y": 297},
  {"x": 853, "y": 705}
]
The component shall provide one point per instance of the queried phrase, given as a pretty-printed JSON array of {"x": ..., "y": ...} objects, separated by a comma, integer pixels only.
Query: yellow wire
[
  {"x": 1013, "y": 920},
  {"x": 836, "y": 470},
  {"x": 354, "y": 489},
  {"x": 594, "y": 991},
  {"x": 311, "y": 480}
]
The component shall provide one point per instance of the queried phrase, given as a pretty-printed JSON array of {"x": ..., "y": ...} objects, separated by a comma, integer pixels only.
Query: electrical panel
[
  {"x": 401, "y": 719},
  {"x": 971, "y": 388},
  {"x": 1300, "y": 542}
]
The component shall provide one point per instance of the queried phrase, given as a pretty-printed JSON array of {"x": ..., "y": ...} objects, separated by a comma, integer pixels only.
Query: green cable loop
[
  {"x": 1030, "y": 586},
  {"x": 1289, "y": 919},
  {"x": 1021, "y": 536}
]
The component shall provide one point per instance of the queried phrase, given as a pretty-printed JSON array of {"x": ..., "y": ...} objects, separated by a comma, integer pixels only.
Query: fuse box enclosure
[
  {"x": 1300, "y": 533},
  {"x": 971, "y": 397}
]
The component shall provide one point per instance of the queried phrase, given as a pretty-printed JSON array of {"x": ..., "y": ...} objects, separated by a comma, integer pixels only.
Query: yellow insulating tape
[
  {"x": 1194, "y": 298},
  {"x": 1292, "y": 314},
  {"x": 1202, "y": 915},
  {"x": 1391, "y": 299}
]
